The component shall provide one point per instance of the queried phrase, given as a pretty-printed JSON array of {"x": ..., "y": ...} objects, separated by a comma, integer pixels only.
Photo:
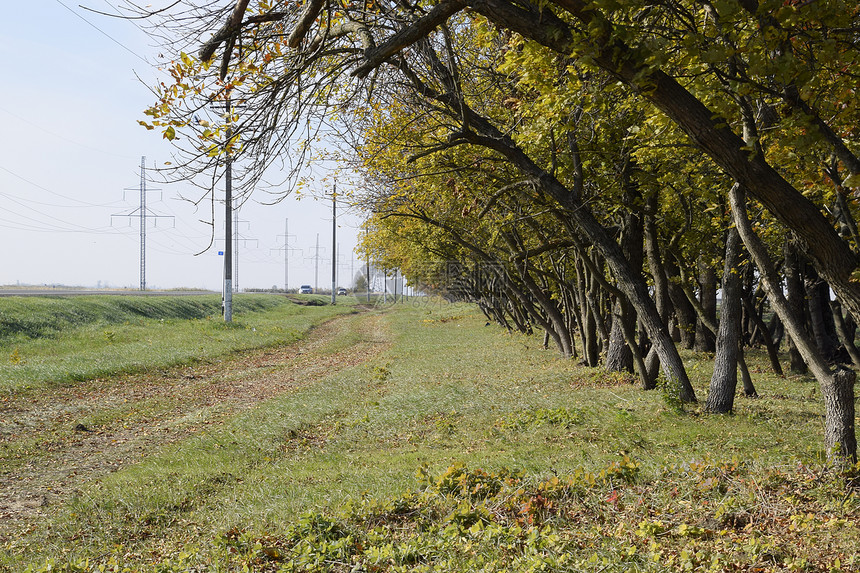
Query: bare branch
[
  {"x": 310, "y": 13},
  {"x": 225, "y": 33},
  {"x": 408, "y": 36}
]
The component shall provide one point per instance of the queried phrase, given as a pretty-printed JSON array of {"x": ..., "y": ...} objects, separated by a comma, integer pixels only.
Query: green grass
[
  {"x": 324, "y": 479},
  {"x": 51, "y": 341}
]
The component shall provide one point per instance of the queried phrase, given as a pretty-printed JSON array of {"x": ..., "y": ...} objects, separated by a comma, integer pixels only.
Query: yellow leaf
[{"x": 853, "y": 181}]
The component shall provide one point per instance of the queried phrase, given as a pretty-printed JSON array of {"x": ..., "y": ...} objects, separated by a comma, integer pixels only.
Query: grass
[
  {"x": 465, "y": 448},
  {"x": 53, "y": 341}
]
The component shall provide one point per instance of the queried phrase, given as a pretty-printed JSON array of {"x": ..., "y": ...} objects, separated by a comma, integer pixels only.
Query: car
[
  {"x": 306, "y": 289},
  {"x": 341, "y": 291}
]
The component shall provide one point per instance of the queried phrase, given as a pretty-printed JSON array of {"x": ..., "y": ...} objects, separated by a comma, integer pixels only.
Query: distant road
[{"x": 81, "y": 292}]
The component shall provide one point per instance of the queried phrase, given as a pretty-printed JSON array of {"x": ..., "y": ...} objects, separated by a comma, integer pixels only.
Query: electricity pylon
[{"x": 142, "y": 213}]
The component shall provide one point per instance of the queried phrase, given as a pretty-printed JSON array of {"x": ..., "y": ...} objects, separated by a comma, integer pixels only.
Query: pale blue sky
[{"x": 71, "y": 144}]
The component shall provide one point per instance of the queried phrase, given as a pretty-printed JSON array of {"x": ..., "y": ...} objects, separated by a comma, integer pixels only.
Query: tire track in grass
[{"x": 52, "y": 441}]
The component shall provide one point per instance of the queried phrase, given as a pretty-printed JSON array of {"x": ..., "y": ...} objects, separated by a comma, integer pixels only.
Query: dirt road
[{"x": 52, "y": 441}]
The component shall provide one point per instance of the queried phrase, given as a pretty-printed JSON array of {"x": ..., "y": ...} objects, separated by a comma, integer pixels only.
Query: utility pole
[
  {"x": 236, "y": 238},
  {"x": 142, "y": 222},
  {"x": 368, "y": 276},
  {"x": 236, "y": 247},
  {"x": 286, "y": 254},
  {"x": 317, "y": 264},
  {"x": 334, "y": 245},
  {"x": 287, "y": 250},
  {"x": 142, "y": 213},
  {"x": 228, "y": 223}
]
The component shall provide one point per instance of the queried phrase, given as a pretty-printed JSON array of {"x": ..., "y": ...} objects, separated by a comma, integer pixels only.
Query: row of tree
[{"x": 595, "y": 170}]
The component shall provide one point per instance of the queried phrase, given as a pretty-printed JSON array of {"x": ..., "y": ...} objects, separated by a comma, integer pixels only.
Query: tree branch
[
  {"x": 310, "y": 13},
  {"x": 408, "y": 36},
  {"x": 227, "y": 31}
]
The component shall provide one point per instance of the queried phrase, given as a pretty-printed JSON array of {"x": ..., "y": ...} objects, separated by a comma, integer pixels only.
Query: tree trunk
[
  {"x": 587, "y": 326},
  {"x": 591, "y": 346},
  {"x": 721, "y": 394},
  {"x": 840, "y": 439},
  {"x": 749, "y": 388},
  {"x": 705, "y": 341},
  {"x": 596, "y": 304},
  {"x": 618, "y": 356},
  {"x": 655, "y": 262},
  {"x": 839, "y": 434},
  {"x": 662, "y": 301},
  {"x": 772, "y": 352},
  {"x": 685, "y": 314},
  {"x": 777, "y": 332},
  {"x": 796, "y": 297},
  {"x": 846, "y": 335},
  {"x": 821, "y": 317},
  {"x": 647, "y": 380}
]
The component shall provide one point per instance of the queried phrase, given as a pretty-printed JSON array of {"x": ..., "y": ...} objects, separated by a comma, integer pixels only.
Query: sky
[{"x": 74, "y": 87}]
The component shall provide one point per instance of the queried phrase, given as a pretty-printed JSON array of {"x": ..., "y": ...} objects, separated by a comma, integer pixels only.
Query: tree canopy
[{"x": 595, "y": 170}]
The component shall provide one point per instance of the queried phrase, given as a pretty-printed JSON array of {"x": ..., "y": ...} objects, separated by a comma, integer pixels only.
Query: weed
[
  {"x": 670, "y": 391},
  {"x": 381, "y": 373},
  {"x": 469, "y": 519}
]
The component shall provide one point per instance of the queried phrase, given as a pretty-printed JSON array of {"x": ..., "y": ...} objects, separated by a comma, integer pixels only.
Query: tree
[{"x": 750, "y": 96}]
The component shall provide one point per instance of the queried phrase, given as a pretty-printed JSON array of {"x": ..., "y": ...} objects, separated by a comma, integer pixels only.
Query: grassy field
[
  {"x": 50, "y": 341},
  {"x": 460, "y": 447}
]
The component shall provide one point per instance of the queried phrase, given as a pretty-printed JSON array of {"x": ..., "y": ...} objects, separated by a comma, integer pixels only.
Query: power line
[
  {"x": 66, "y": 226},
  {"x": 59, "y": 136},
  {"x": 111, "y": 38},
  {"x": 16, "y": 225},
  {"x": 25, "y": 180}
]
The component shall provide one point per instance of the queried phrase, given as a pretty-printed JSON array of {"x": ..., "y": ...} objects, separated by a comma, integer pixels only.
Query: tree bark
[
  {"x": 840, "y": 439},
  {"x": 708, "y": 299},
  {"x": 655, "y": 262},
  {"x": 749, "y": 388},
  {"x": 587, "y": 326},
  {"x": 846, "y": 336},
  {"x": 796, "y": 298},
  {"x": 772, "y": 351},
  {"x": 821, "y": 317},
  {"x": 618, "y": 356},
  {"x": 685, "y": 314},
  {"x": 839, "y": 436},
  {"x": 662, "y": 302},
  {"x": 721, "y": 394}
]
